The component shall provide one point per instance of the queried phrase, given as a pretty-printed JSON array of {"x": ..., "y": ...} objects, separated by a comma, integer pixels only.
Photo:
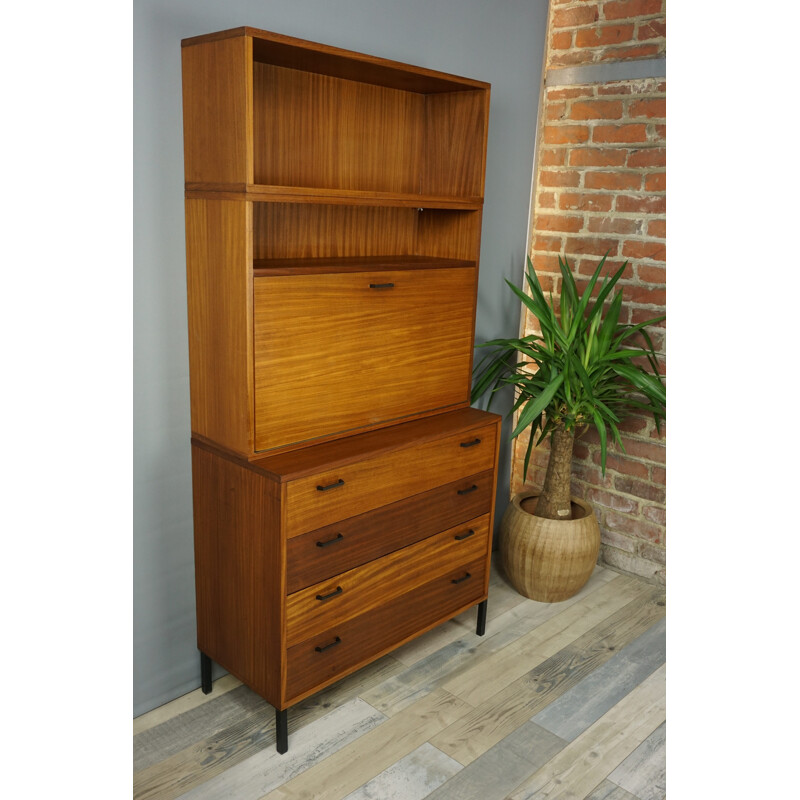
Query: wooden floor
[{"x": 555, "y": 701}]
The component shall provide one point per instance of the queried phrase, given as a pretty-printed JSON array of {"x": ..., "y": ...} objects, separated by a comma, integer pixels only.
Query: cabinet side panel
[
  {"x": 238, "y": 569},
  {"x": 219, "y": 287},
  {"x": 455, "y": 144},
  {"x": 217, "y": 111}
]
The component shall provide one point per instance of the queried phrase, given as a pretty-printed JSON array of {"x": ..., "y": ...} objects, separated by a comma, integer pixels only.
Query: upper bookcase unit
[{"x": 271, "y": 118}]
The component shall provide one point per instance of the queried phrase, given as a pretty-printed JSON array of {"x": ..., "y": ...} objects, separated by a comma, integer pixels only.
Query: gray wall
[{"x": 500, "y": 41}]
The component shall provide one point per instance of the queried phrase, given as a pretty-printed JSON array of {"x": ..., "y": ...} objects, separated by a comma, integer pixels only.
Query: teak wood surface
[{"x": 388, "y": 347}]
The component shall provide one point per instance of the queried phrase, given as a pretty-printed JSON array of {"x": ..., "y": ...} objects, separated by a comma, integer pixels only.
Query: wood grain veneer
[
  {"x": 324, "y": 552},
  {"x": 370, "y": 635},
  {"x": 314, "y": 609},
  {"x": 374, "y": 482},
  {"x": 219, "y": 290},
  {"x": 239, "y": 557},
  {"x": 383, "y": 354}
]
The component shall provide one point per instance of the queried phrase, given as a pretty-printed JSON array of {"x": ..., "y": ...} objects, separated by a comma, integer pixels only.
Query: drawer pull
[
  {"x": 337, "y": 538},
  {"x": 381, "y": 286},
  {"x": 340, "y": 482},
  {"x": 462, "y": 578},
  {"x": 324, "y": 597},
  {"x": 467, "y": 491},
  {"x": 322, "y": 649},
  {"x": 465, "y": 535},
  {"x": 470, "y": 444}
]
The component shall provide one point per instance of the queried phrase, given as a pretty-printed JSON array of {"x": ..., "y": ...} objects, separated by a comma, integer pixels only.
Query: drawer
[
  {"x": 327, "y": 551},
  {"x": 334, "y": 495},
  {"x": 347, "y": 645},
  {"x": 315, "y": 609},
  {"x": 368, "y": 350}
]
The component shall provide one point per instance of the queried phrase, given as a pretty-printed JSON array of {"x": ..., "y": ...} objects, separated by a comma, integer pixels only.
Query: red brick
[
  {"x": 569, "y": 17},
  {"x": 612, "y": 501},
  {"x": 595, "y": 247},
  {"x": 569, "y": 93},
  {"x": 655, "y": 514},
  {"x": 657, "y": 227},
  {"x": 661, "y": 86},
  {"x": 656, "y": 182},
  {"x": 563, "y": 40},
  {"x": 544, "y": 264},
  {"x": 558, "y": 222},
  {"x": 566, "y": 134},
  {"x": 656, "y": 251},
  {"x": 619, "y": 133},
  {"x": 555, "y": 111},
  {"x": 639, "y": 315},
  {"x": 585, "y": 202},
  {"x": 652, "y": 552},
  {"x": 602, "y": 35},
  {"x": 585, "y": 473},
  {"x": 648, "y": 108},
  {"x": 580, "y": 451},
  {"x": 641, "y": 489},
  {"x": 655, "y": 29},
  {"x": 597, "y": 157},
  {"x": 634, "y": 424},
  {"x": 638, "y": 51},
  {"x": 649, "y": 157},
  {"x": 649, "y": 451},
  {"x": 619, "y": 540},
  {"x": 659, "y": 475},
  {"x": 660, "y": 132},
  {"x": 613, "y": 180},
  {"x": 623, "y": 523},
  {"x": 560, "y": 178},
  {"x": 626, "y": 466},
  {"x": 614, "y": 225},
  {"x": 641, "y": 205},
  {"x": 550, "y": 244},
  {"x": 614, "y": 88},
  {"x": 552, "y": 158},
  {"x": 624, "y": 9},
  {"x": 650, "y": 274},
  {"x": 570, "y": 58},
  {"x": 596, "y": 109},
  {"x": 546, "y": 200},
  {"x": 645, "y": 295}
]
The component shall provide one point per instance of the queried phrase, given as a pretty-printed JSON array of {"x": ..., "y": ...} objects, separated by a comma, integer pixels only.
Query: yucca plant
[{"x": 581, "y": 370}]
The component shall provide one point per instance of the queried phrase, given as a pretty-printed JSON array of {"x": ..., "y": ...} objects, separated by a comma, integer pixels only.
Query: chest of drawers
[{"x": 311, "y": 564}]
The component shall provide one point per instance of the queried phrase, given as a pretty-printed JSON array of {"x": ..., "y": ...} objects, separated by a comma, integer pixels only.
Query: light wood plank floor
[{"x": 555, "y": 701}]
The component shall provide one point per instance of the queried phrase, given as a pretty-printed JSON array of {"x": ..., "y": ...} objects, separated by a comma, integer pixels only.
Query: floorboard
[{"x": 556, "y": 701}]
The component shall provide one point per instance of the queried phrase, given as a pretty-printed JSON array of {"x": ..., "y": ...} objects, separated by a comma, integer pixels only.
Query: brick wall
[{"x": 600, "y": 187}]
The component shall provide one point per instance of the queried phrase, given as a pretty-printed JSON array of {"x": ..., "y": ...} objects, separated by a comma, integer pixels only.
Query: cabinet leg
[
  {"x": 481, "y": 627},
  {"x": 282, "y": 730},
  {"x": 205, "y": 673}
]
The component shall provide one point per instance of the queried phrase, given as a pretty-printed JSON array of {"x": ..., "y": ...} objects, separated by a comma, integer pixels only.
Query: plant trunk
[{"x": 554, "y": 502}]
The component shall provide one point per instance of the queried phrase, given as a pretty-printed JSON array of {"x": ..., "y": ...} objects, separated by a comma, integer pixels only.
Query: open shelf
[{"x": 313, "y": 266}]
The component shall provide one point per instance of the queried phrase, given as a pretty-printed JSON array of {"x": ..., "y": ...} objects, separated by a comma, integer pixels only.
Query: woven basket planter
[{"x": 548, "y": 559}]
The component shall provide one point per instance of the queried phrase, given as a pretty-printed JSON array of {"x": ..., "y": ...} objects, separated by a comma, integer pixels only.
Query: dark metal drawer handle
[
  {"x": 337, "y": 538},
  {"x": 340, "y": 482},
  {"x": 332, "y": 594},
  {"x": 465, "y": 535},
  {"x": 470, "y": 444},
  {"x": 328, "y": 646},
  {"x": 463, "y": 578},
  {"x": 381, "y": 286},
  {"x": 467, "y": 491}
]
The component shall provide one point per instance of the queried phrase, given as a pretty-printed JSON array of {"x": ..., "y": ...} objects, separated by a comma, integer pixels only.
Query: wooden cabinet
[{"x": 343, "y": 488}]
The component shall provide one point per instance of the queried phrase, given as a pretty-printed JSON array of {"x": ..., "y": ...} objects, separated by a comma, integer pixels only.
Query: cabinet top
[{"x": 287, "y": 51}]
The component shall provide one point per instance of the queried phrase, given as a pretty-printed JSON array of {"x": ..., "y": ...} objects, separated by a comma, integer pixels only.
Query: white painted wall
[{"x": 499, "y": 41}]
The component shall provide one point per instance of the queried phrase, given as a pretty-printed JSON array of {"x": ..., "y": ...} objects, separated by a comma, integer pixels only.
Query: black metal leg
[
  {"x": 481, "y": 627},
  {"x": 205, "y": 673},
  {"x": 282, "y": 730}
]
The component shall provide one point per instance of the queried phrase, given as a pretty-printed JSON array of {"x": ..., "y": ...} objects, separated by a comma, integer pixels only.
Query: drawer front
[
  {"x": 335, "y": 495},
  {"x": 369, "y": 349},
  {"x": 315, "y": 609},
  {"x": 347, "y": 645},
  {"x": 325, "y": 552}
]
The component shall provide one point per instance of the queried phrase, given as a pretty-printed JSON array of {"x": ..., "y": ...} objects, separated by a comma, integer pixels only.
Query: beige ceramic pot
[{"x": 548, "y": 559}]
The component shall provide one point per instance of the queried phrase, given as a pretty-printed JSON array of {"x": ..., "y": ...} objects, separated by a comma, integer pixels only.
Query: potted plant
[{"x": 584, "y": 368}]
